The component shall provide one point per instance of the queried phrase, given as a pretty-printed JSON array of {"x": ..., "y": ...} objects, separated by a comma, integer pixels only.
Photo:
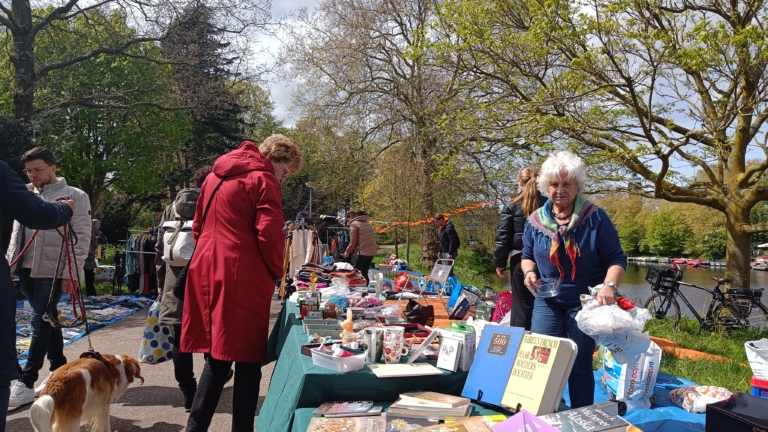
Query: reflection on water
[{"x": 637, "y": 289}]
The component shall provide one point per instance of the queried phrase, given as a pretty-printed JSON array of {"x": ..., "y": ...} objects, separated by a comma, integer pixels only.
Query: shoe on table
[
  {"x": 21, "y": 395},
  {"x": 39, "y": 389}
]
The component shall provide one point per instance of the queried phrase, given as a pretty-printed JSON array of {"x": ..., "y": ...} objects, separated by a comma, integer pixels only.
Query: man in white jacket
[{"x": 37, "y": 267}]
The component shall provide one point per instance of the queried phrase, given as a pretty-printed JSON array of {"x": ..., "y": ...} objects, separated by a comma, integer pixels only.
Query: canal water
[{"x": 637, "y": 289}]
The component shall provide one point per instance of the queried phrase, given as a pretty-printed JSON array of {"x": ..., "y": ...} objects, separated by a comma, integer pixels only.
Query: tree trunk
[
  {"x": 738, "y": 251},
  {"x": 23, "y": 60},
  {"x": 430, "y": 242}
]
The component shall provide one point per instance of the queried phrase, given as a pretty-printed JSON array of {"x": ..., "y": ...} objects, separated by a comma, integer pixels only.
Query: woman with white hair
[{"x": 573, "y": 241}]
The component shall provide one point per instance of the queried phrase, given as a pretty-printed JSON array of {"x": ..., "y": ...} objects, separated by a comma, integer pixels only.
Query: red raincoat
[{"x": 237, "y": 259}]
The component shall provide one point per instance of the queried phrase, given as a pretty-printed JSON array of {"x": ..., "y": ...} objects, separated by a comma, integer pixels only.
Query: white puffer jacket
[{"x": 47, "y": 244}]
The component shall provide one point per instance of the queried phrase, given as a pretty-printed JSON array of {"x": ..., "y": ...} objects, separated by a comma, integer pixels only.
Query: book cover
[
  {"x": 472, "y": 424},
  {"x": 524, "y": 421},
  {"x": 493, "y": 363},
  {"x": 348, "y": 424},
  {"x": 436, "y": 399},
  {"x": 341, "y": 408},
  {"x": 448, "y": 358},
  {"x": 541, "y": 368},
  {"x": 374, "y": 411},
  {"x": 489, "y": 420},
  {"x": 403, "y": 370},
  {"x": 588, "y": 419},
  {"x": 400, "y": 423}
]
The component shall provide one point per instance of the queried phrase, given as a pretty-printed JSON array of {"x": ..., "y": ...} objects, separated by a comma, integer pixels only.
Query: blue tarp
[{"x": 665, "y": 416}]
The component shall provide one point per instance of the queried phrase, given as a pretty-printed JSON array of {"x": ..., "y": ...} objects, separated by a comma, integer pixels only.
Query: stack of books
[{"x": 431, "y": 405}]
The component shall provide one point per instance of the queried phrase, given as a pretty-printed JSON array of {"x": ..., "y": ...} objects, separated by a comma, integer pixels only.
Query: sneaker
[
  {"x": 39, "y": 389},
  {"x": 21, "y": 395}
]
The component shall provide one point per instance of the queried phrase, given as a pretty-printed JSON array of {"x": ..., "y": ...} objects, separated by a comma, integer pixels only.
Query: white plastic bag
[
  {"x": 617, "y": 329},
  {"x": 635, "y": 382},
  {"x": 757, "y": 355}
]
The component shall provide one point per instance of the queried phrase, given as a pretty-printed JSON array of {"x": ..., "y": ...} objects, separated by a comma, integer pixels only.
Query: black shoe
[
  {"x": 189, "y": 397},
  {"x": 229, "y": 377}
]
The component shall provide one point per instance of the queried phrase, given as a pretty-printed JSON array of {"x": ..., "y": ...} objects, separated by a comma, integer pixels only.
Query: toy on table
[{"x": 348, "y": 325}]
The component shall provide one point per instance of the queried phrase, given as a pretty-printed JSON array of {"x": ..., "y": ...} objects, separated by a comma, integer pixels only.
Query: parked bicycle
[{"x": 732, "y": 309}]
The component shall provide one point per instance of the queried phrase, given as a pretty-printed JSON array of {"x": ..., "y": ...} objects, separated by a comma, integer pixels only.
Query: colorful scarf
[{"x": 542, "y": 222}]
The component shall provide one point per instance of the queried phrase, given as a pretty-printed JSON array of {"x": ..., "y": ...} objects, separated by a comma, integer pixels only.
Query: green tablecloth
[
  {"x": 304, "y": 415},
  {"x": 296, "y": 383}
]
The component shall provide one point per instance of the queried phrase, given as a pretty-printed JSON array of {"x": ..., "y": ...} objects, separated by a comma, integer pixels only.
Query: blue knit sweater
[{"x": 598, "y": 241}]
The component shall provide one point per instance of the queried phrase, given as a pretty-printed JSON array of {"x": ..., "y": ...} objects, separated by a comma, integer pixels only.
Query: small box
[
  {"x": 466, "y": 335},
  {"x": 317, "y": 314},
  {"x": 484, "y": 312},
  {"x": 339, "y": 364},
  {"x": 739, "y": 413}
]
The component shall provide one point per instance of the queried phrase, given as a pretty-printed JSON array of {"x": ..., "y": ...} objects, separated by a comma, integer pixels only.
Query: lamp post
[{"x": 310, "y": 185}]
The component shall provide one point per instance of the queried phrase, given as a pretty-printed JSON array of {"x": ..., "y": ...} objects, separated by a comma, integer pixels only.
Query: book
[
  {"x": 342, "y": 408},
  {"x": 403, "y": 370},
  {"x": 489, "y": 420},
  {"x": 419, "y": 410},
  {"x": 472, "y": 424},
  {"x": 436, "y": 399},
  {"x": 523, "y": 421},
  {"x": 448, "y": 358},
  {"x": 591, "y": 418},
  {"x": 541, "y": 369},
  {"x": 492, "y": 366},
  {"x": 374, "y": 411},
  {"x": 348, "y": 424},
  {"x": 401, "y": 423}
]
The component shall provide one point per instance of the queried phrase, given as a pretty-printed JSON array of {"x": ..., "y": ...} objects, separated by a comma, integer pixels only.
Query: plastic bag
[
  {"x": 503, "y": 305},
  {"x": 402, "y": 282},
  {"x": 757, "y": 355},
  {"x": 157, "y": 340},
  {"x": 696, "y": 398},
  {"x": 617, "y": 329},
  {"x": 635, "y": 382}
]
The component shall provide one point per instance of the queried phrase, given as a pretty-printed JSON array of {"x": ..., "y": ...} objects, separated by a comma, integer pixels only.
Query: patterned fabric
[
  {"x": 544, "y": 225},
  {"x": 157, "y": 342}
]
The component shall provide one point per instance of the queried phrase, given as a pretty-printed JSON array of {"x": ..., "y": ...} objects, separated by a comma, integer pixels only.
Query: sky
[{"x": 281, "y": 89}]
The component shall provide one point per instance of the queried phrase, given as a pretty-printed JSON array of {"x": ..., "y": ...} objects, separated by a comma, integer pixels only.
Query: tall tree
[
  {"x": 648, "y": 84},
  {"x": 24, "y": 26},
  {"x": 368, "y": 65}
]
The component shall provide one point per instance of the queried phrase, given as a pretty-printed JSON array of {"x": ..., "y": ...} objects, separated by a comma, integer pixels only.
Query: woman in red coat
[{"x": 232, "y": 275}]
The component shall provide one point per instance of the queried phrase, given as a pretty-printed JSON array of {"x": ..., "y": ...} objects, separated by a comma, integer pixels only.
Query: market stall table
[{"x": 296, "y": 383}]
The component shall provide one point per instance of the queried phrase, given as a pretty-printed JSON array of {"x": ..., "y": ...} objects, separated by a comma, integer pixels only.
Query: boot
[{"x": 188, "y": 391}]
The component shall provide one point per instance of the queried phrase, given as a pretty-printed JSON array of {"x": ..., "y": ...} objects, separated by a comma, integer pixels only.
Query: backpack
[{"x": 177, "y": 234}]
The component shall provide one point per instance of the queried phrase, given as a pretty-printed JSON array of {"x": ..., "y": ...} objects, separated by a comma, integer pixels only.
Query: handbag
[
  {"x": 415, "y": 313},
  {"x": 180, "y": 286},
  {"x": 157, "y": 340}
]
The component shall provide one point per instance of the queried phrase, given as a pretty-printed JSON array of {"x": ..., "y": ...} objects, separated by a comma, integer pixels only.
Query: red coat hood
[{"x": 246, "y": 158}]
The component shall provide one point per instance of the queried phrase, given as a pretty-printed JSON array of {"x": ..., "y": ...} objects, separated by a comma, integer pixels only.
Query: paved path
[{"x": 158, "y": 405}]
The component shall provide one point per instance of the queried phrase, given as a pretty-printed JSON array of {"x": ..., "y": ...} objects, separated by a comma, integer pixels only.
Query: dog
[{"x": 81, "y": 392}]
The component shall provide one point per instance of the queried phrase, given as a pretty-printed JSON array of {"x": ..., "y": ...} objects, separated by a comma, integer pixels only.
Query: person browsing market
[
  {"x": 572, "y": 241},
  {"x": 38, "y": 267},
  {"x": 449, "y": 239}
]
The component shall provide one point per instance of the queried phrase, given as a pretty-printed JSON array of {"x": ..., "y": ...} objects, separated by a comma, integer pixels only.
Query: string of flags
[{"x": 382, "y": 226}]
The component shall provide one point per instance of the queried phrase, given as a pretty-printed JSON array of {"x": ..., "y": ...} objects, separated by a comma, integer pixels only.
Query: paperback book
[
  {"x": 348, "y": 424},
  {"x": 342, "y": 408},
  {"x": 588, "y": 419},
  {"x": 492, "y": 366}
]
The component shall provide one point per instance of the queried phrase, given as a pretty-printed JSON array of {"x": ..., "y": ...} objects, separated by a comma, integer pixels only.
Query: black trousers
[
  {"x": 90, "y": 282},
  {"x": 522, "y": 298},
  {"x": 244, "y": 397},
  {"x": 363, "y": 263},
  {"x": 183, "y": 366}
]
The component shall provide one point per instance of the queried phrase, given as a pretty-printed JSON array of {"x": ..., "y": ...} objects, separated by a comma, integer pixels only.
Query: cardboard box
[
  {"x": 466, "y": 335},
  {"x": 484, "y": 312}
]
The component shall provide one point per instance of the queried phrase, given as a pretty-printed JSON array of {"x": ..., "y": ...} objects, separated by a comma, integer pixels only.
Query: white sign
[{"x": 448, "y": 358}]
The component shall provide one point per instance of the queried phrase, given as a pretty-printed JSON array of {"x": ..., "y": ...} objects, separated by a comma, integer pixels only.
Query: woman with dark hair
[{"x": 509, "y": 240}]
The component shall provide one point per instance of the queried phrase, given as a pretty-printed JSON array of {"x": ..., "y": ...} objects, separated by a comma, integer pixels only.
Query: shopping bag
[
  {"x": 415, "y": 313},
  {"x": 757, "y": 355},
  {"x": 503, "y": 305},
  {"x": 633, "y": 382},
  {"x": 157, "y": 341}
]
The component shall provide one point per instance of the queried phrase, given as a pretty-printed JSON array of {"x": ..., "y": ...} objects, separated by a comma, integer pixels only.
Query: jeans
[
  {"x": 522, "y": 298},
  {"x": 363, "y": 263},
  {"x": 45, "y": 338},
  {"x": 183, "y": 366},
  {"x": 453, "y": 255},
  {"x": 5, "y": 397},
  {"x": 554, "y": 319},
  {"x": 90, "y": 282},
  {"x": 244, "y": 397}
]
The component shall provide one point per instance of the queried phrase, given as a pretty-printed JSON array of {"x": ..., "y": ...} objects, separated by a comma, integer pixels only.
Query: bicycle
[{"x": 732, "y": 309}]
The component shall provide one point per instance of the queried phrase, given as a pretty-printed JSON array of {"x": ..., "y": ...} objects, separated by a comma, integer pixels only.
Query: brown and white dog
[{"x": 81, "y": 391}]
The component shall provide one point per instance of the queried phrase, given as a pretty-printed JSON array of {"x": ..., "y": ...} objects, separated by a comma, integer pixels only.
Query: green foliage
[
  {"x": 632, "y": 237},
  {"x": 667, "y": 233},
  {"x": 480, "y": 260},
  {"x": 711, "y": 246},
  {"x": 108, "y": 254}
]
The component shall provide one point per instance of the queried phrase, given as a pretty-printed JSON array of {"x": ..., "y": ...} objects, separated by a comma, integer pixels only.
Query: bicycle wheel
[
  {"x": 741, "y": 313},
  {"x": 663, "y": 306}
]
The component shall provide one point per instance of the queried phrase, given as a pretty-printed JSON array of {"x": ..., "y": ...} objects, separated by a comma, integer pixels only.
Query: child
[{"x": 327, "y": 258}]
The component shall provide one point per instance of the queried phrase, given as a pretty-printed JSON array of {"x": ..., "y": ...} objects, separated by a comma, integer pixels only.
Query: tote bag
[{"x": 157, "y": 341}]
